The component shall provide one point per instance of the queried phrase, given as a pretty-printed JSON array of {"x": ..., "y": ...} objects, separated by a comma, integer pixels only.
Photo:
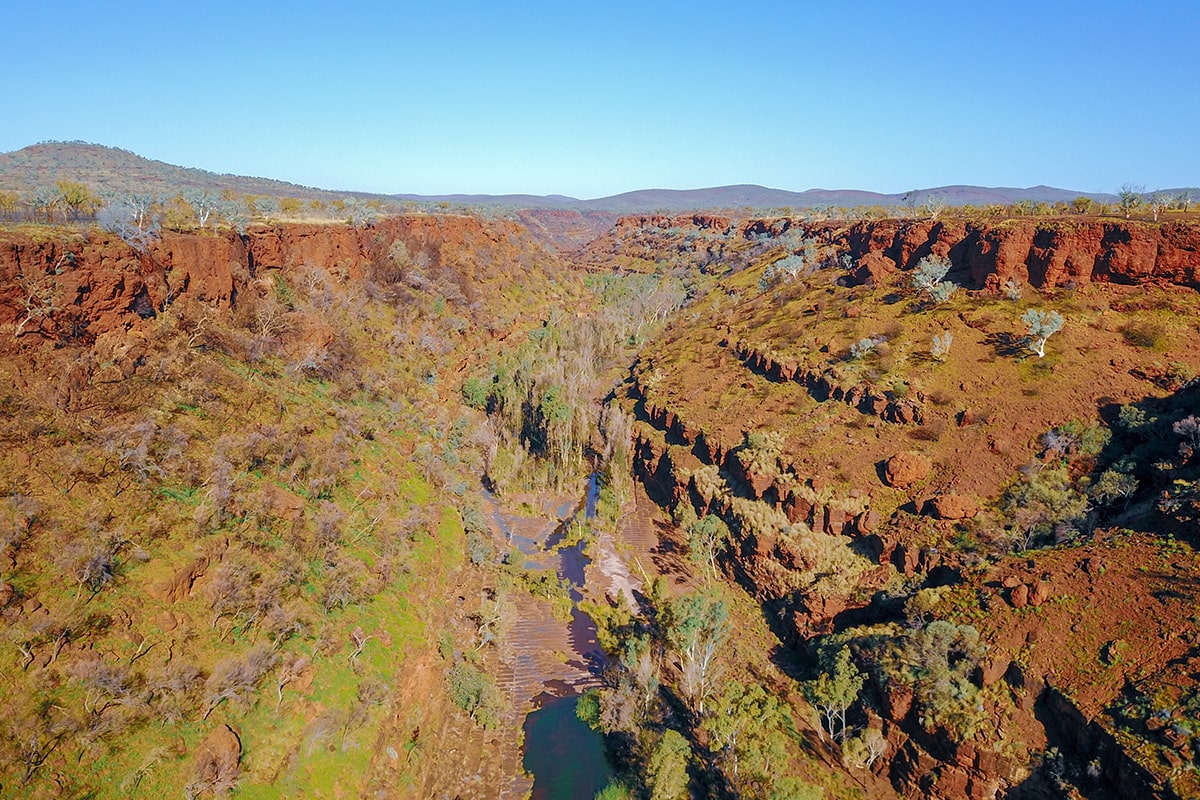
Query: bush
[
  {"x": 1150, "y": 335},
  {"x": 1113, "y": 485},
  {"x": 862, "y": 348},
  {"x": 1189, "y": 429},
  {"x": 1045, "y": 504}
]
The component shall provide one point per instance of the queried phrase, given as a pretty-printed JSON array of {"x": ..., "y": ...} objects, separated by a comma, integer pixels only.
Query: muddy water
[{"x": 549, "y": 662}]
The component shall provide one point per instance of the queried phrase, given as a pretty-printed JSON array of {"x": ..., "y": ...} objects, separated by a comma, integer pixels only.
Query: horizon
[
  {"x": 465, "y": 195},
  {"x": 585, "y": 103}
]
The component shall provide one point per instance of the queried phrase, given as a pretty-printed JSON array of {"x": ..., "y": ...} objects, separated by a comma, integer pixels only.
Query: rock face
[
  {"x": 904, "y": 469},
  {"x": 86, "y": 288},
  {"x": 1044, "y": 253}
]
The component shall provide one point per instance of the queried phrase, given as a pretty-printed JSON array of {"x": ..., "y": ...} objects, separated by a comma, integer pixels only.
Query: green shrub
[
  {"x": 1145, "y": 333},
  {"x": 474, "y": 692},
  {"x": 1044, "y": 504}
]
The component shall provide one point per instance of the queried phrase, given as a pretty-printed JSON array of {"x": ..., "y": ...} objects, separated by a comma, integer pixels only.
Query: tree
[
  {"x": 707, "y": 537},
  {"x": 927, "y": 279},
  {"x": 42, "y": 293},
  {"x": 203, "y": 204},
  {"x": 864, "y": 750},
  {"x": 939, "y": 348},
  {"x": 265, "y": 207},
  {"x": 236, "y": 678},
  {"x": 862, "y": 348},
  {"x": 741, "y": 727},
  {"x": 43, "y": 202},
  {"x": 1130, "y": 198},
  {"x": 934, "y": 206},
  {"x": 291, "y": 206},
  {"x": 834, "y": 691},
  {"x": 1159, "y": 202},
  {"x": 130, "y": 218},
  {"x": 359, "y": 212},
  {"x": 9, "y": 201},
  {"x": 1012, "y": 290},
  {"x": 76, "y": 197},
  {"x": 1082, "y": 205},
  {"x": 667, "y": 770},
  {"x": 474, "y": 692},
  {"x": 1041, "y": 325},
  {"x": 235, "y": 214},
  {"x": 697, "y": 627}
]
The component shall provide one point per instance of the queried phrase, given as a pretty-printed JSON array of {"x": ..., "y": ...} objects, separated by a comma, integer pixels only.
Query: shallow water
[{"x": 566, "y": 758}]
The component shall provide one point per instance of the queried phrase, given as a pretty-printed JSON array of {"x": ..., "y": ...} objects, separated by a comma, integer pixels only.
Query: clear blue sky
[{"x": 590, "y": 99}]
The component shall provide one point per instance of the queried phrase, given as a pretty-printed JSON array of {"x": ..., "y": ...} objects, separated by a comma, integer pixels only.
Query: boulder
[
  {"x": 873, "y": 268},
  {"x": 906, "y": 468},
  {"x": 1019, "y": 596},
  {"x": 1040, "y": 593},
  {"x": 954, "y": 506}
]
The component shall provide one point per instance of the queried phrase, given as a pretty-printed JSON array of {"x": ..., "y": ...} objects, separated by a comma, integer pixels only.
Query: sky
[{"x": 592, "y": 99}]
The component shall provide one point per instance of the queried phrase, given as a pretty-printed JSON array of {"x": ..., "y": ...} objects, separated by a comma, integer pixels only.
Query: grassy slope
[{"x": 303, "y": 482}]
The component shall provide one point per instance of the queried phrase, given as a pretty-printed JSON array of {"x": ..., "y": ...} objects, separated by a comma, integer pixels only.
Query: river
[{"x": 548, "y": 662}]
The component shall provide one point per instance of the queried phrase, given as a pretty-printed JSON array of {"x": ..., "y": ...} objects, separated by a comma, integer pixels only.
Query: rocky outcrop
[
  {"x": 671, "y": 457},
  {"x": 824, "y": 385},
  {"x": 713, "y": 222},
  {"x": 566, "y": 230},
  {"x": 1086, "y": 741}
]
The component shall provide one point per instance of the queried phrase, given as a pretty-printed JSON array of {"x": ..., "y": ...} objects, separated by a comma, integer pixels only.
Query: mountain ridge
[{"x": 110, "y": 169}]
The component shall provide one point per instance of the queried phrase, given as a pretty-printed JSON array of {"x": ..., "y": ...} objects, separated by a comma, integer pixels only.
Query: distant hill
[
  {"x": 110, "y": 169},
  {"x": 760, "y": 197}
]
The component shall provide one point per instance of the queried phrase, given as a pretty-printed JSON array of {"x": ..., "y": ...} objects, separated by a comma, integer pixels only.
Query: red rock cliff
[
  {"x": 1045, "y": 253},
  {"x": 96, "y": 283}
]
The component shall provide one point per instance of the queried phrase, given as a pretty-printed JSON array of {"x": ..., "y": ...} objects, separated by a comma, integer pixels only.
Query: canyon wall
[
  {"x": 91, "y": 283},
  {"x": 1046, "y": 254}
]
